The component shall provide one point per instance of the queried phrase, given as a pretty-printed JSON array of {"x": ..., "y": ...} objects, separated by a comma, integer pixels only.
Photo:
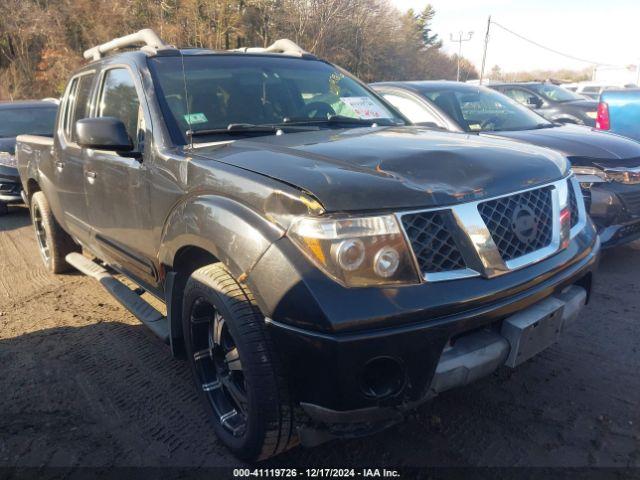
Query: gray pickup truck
[{"x": 325, "y": 265}]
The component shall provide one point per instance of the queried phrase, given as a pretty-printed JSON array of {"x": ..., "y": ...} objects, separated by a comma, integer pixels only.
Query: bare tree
[{"x": 41, "y": 41}]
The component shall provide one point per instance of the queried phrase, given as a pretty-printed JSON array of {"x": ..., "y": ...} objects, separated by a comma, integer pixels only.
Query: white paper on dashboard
[{"x": 364, "y": 107}]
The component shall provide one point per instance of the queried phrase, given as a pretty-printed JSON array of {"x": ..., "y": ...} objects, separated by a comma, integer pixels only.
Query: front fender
[{"x": 235, "y": 234}]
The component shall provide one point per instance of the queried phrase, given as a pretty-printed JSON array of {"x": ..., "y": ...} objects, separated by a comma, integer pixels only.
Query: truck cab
[{"x": 326, "y": 266}]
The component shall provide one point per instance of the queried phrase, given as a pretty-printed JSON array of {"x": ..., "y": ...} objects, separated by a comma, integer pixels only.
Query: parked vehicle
[
  {"x": 572, "y": 87},
  {"x": 325, "y": 266},
  {"x": 593, "y": 90},
  {"x": 619, "y": 112},
  {"x": 16, "y": 118},
  {"x": 606, "y": 165},
  {"x": 552, "y": 102}
]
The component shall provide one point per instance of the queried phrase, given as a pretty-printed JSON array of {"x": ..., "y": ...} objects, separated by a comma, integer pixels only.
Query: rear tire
[
  {"x": 235, "y": 366},
  {"x": 53, "y": 242}
]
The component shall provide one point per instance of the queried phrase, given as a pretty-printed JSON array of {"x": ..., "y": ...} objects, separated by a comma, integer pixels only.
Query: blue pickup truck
[{"x": 619, "y": 112}]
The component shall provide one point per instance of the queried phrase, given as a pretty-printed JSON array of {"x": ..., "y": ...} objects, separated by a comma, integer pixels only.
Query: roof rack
[
  {"x": 152, "y": 44},
  {"x": 283, "y": 46}
]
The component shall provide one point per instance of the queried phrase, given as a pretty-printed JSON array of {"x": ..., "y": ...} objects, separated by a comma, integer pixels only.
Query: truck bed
[
  {"x": 30, "y": 151},
  {"x": 624, "y": 111}
]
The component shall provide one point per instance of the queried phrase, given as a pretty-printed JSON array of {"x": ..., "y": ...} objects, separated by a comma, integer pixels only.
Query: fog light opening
[{"x": 382, "y": 377}]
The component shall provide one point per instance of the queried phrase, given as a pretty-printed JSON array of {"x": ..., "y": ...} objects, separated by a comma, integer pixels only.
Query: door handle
[
  {"x": 59, "y": 165},
  {"x": 91, "y": 176}
]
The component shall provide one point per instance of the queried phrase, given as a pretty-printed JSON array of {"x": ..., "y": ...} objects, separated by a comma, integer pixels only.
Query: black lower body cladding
[
  {"x": 357, "y": 352},
  {"x": 615, "y": 210}
]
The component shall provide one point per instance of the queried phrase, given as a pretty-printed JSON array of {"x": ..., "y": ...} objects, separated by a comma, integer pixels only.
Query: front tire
[
  {"x": 235, "y": 366},
  {"x": 53, "y": 242}
]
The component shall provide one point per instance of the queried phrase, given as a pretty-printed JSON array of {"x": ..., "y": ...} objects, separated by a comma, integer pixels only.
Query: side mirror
[
  {"x": 103, "y": 133},
  {"x": 534, "y": 102}
]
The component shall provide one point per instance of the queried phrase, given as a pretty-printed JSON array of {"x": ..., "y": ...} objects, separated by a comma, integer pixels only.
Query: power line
[
  {"x": 553, "y": 50},
  {"x": 459, "y": 41}
]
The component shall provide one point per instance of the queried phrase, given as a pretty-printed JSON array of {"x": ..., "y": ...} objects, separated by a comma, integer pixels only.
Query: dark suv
[
  {"x": 17, "y": 118},
  {"x": 555, "y": 103},
  {"x": 325, "y": 266}
]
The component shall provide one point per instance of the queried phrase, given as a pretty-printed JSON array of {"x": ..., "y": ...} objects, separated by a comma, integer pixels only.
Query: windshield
[
  {"x": 246, "y": 90},
  {"x": 555, "y": 93},
  {"x": 484, "y": 110},
  {"x": 20, "y": 121}
]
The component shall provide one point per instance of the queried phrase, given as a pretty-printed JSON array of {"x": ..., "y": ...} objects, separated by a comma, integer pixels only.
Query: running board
[{"x": 131, "y": 300}]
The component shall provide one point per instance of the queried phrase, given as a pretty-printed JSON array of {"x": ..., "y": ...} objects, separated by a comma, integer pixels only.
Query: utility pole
[
  {"x": 459, "y": 41},
  {"x": 486, "y": 44}
]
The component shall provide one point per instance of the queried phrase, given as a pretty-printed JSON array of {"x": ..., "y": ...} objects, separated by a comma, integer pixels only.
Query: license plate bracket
[{"x": 533, "y": 330}]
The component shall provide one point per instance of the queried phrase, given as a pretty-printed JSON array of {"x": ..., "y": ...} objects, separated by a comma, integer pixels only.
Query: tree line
[{"x": 41, "y": 41}]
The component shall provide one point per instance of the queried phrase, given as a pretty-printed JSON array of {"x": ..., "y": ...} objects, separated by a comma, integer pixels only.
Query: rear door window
[
  {"x": 67, "y": 107},
  {"x": 82, "y": 102}
]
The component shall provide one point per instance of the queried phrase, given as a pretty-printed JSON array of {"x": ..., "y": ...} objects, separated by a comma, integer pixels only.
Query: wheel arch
[
  {"x": 204, "y": 230},
  {"x": 32, "y": 186}
]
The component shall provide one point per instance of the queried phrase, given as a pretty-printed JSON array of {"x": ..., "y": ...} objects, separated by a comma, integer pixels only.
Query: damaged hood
[
  {"x": 391, "y": 167},
  {"x": 581, "y": 144}
]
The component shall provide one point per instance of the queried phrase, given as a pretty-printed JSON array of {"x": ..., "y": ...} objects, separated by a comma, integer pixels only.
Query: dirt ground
[{"x": 82, "y": 383}]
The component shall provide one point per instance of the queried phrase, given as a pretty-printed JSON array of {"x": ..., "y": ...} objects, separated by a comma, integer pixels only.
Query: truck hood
[
  {"x": 581, "y": 144},
  {"x": 391, "y": 167}
]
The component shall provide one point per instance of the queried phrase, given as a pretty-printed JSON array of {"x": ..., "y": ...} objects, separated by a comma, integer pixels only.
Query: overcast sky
[{"x": 603, "y": 31}]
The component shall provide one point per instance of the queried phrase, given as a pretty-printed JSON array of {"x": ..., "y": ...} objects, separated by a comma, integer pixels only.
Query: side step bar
[{"x": 129, "y": 299}]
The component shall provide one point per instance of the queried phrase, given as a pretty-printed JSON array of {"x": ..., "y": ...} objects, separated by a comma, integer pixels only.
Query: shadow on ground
[
  {"x": 110, "y": 394},
  {"x": 17, "y": 217}
]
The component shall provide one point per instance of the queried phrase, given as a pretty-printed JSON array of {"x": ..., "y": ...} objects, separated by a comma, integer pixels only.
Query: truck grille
[
  {"x": 631, "y": 201},
  {"x": 490, "y": 237},
  {"x": 499, "y": 214},
  {"x": 433, "y": 245},
  {"x": 573, "y": 206}
]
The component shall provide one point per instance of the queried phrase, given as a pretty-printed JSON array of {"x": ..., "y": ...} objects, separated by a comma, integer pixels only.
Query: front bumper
[
  {"x": 10, "y": 186},
  {"x": 478, "y": 354},
  {"x": 615, "y": 210},
  {"x": 332, "y": 340}
]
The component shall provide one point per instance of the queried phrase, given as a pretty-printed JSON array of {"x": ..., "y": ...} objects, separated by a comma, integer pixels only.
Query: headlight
[
  {"x": 357, "y": 252},
  {"x": 623, "y": 175},
  {"x": 589, "y": 175},
  {"x": 595, "y": 175},
  {"x": 7, "y": 159}
]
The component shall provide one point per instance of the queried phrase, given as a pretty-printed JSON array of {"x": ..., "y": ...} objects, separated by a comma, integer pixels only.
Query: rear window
[{"x": 33, "y": 120}]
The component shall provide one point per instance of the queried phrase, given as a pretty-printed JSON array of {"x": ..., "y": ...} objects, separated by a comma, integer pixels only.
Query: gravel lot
[{"x": 82, "y": 383}]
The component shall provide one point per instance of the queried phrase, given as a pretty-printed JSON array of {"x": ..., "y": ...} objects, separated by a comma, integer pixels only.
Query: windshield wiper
[
  {"x": 240, "y": 128},
  {"x": 338, "y": 119},
  {"x": 362, "y": 121}
]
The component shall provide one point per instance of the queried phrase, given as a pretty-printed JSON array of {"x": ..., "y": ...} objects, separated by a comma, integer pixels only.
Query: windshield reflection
[
  {"x": 243, "y": 94},
  {"x": 484, "y": 110}
]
